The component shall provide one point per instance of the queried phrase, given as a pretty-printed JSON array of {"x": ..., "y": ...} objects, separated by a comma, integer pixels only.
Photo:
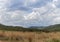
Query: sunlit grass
[{"x": 15, "y": 36}]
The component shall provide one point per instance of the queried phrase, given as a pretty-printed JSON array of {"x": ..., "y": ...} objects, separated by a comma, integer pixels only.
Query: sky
[{"x": 29, "y": 12}]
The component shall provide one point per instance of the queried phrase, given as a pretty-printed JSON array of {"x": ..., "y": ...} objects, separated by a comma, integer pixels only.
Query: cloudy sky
[{"x": 29, "y": 12}]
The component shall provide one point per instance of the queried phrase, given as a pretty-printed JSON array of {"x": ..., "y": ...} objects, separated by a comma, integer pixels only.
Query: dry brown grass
[{"x": 14, "y": 36}]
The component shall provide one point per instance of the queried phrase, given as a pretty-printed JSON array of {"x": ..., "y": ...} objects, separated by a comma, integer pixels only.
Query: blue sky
[{"x": 30, "y": 12}]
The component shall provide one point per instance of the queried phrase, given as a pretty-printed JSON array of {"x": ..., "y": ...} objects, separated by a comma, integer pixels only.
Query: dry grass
[{"x": 14, "y": 36}]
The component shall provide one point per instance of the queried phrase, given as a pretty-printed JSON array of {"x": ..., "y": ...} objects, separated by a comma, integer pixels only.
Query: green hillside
[
  {"x": 31, "y": 29},
  {"x": 52, "y": 28},
  {"x": 17, "y": 28}
]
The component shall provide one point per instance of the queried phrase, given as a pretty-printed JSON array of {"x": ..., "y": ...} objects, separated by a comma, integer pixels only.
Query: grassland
[
  {"x": 21, "y": 34},
  {"x": 16, "y": 36}
]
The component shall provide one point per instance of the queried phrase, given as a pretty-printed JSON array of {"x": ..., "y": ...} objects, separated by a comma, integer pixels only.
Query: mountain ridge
[{"x": 50, "y": 28}]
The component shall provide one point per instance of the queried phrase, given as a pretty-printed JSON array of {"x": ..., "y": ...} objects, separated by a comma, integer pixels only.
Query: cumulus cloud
[{"x": 29, "y": 12}]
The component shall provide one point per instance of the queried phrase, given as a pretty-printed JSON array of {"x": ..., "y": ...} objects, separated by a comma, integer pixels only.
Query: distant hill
[
  {"x": 37, "y": 27},
  {"x": 32, "y": 28},
  {"x": 55, "y": 27},
  {"x": 17, "y": 28},
  {"x": 50, "y": 28}
]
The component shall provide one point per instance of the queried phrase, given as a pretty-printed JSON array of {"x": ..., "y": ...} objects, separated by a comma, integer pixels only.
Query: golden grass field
[{"x": 15, "y": 36}]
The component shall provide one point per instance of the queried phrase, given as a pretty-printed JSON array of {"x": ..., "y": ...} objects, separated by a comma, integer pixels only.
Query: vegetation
[
  {"x": 19, "y": 28},
  {"x": 31, "y": 34},
  {"x": 31, "y": 29},
  {"x": 52, "y": 28},
  {"x": 16, "y": 36}
]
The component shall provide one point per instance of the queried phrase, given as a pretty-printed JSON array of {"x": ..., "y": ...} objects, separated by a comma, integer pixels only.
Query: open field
[{"x": 15, "y": 36}]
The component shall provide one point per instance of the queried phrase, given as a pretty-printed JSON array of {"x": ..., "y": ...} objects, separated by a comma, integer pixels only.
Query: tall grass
[{"x": 15, "y": 36}]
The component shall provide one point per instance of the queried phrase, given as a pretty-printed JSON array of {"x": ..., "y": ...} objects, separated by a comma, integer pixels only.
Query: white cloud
[
  {"x": 3, "y": 3},
  {"x": 45, "y": 15},
  {"x": 54, "y": 6},
  {"x": 56, "y": 20},
  {"x": 32, "y": 15},
  {"x": 0, "y": 18},
  {"x": 34, "y": 0},
  {"x": 55, "y": 0}
]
